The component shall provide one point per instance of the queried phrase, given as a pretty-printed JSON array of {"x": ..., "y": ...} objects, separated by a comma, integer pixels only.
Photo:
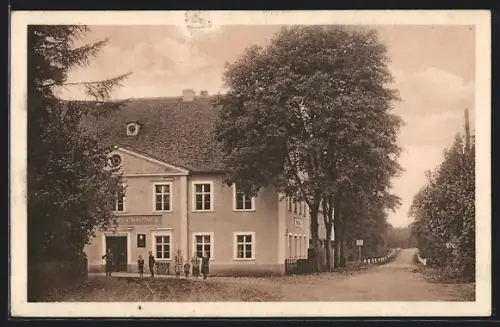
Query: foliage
[
  {"x": 309, "y": 115},
  {"x": 444, "y": 211},
  {"x": 70, "y": 191},
  {"x": 399, "y": 237}
]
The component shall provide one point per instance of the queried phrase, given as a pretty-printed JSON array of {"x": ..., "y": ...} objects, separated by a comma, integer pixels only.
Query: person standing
[
  {"x": 178, "y": 264},
  {"x": 140, "y": 263},
  {"x": 187, "y": 268},
  {"x": 152, "y": 263},
  {"x": 195, "y": 263},
  {"x": 109, "y": 262},
  {"x": 204, "y": 264}
]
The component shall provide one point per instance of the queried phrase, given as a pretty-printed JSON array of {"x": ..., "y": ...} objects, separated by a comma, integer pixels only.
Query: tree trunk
[
  {"x": 342, "y": 230},
  {"x": 328, "y": 227},
  {"x": 314, "y": 233},
  {"x": 336, "y": 241}
]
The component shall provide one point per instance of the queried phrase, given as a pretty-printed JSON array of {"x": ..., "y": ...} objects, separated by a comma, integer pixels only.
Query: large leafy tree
[
  {"x": 444, "y": 211},
  {"x": 309, "y": 115},
  {"x": 70, "y": 191}
]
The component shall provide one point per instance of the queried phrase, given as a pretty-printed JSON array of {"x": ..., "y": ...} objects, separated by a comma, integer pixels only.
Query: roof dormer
[{"x": 133, "y": 128}]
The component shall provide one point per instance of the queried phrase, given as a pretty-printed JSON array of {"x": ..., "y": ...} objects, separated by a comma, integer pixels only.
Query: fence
[
  {"x": 423, "y": 261},
  {"x": 298, "y": 266},
  {"x": 46, "y": 277},
  {"x": 382, "y": 259}
]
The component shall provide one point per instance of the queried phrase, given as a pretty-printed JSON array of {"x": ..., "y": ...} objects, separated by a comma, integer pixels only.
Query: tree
[
  {"x": 444, "y": 211},
  {"x": 308, "y": 115},
  {"x": 70, "y": 191}
]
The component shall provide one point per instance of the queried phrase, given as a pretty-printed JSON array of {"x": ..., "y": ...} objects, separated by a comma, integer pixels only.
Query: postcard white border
[{"x": 20, "y": 307}]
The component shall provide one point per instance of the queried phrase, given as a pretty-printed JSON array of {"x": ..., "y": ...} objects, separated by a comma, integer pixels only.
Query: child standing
[
  {"x": 196, "y": 266},
  {"x": 186, "y": 269},
  {"x": 178, "y": 264},
  {"x": 140, "y": 263}
]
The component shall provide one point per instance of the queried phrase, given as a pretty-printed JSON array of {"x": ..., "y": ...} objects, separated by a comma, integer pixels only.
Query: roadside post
[{"x": 359, "y": 243}]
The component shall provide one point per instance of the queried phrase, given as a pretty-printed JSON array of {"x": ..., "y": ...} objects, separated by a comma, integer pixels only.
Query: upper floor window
[
  {"x": 294, "y": 206},
  {"x": 120, "y": 199},
  {"x": 162, "y": 197},
  {"x": 203, "y": 196},
  {"x": 289, "y": 203},
  {"x": 242, "y": 202}
]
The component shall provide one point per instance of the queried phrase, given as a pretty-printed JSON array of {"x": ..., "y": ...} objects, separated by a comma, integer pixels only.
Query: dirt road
[{"x": 399, "y": 280}]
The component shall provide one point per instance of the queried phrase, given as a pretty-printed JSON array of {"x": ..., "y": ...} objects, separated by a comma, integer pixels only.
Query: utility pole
[{"x": 467, "y": 130}]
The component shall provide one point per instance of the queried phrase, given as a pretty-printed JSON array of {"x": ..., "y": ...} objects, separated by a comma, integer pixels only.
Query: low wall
[
  {"x": 47, "y": 277},
  {"x": 421, "y": 260},
  {"x": 382, "y": 259},
  {"x": 230, "y": 270}
]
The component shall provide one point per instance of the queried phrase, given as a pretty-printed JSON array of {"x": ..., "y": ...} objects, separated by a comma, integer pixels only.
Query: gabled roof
[{"x": 175, "y": 132}]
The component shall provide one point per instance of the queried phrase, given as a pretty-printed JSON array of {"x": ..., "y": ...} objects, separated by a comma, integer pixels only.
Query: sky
[{"x": 433, "y": 66}]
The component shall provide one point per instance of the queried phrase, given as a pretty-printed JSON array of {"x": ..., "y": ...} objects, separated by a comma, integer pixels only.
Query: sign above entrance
[{"x": 138, "y": 220}]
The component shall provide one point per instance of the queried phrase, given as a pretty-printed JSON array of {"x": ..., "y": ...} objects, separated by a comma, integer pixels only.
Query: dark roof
[{"x": 176, "y": 132}]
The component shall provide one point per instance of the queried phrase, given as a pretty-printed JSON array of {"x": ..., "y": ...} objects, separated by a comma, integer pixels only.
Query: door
[{"x": 118, "y": 246}]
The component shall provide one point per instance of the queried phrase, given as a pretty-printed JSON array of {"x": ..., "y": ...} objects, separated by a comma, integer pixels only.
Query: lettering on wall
[{"x": 139, "y": 220}]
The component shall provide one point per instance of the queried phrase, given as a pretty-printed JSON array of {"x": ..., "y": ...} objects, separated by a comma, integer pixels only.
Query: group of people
[{"x": 180, "y": 266}]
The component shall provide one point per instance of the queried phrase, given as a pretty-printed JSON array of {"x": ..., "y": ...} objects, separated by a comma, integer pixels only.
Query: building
[{"x": 175, "y": 197}]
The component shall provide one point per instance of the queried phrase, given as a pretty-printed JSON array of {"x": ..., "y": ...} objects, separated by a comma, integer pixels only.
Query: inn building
[{"x": 175, "y": 197}]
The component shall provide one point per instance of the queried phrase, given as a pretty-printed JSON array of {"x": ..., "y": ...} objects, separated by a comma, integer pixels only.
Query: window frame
[
  {"x": 123, "y": 201},
  {"x": 193, "y": 196},
  {"x": 212, "y": 242},
  {"x": 235, "y": 246},
  {"x": 235, "y": 203},
  {"x": 153, "y": 245},
  {"x": 169, "y": 195}
]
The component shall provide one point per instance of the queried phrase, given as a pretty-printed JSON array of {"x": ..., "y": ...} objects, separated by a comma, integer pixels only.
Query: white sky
[{"x": 433, "y": 67}]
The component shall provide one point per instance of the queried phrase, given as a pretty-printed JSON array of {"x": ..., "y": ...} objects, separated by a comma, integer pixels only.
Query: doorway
[{"x": 118, "y": 246}]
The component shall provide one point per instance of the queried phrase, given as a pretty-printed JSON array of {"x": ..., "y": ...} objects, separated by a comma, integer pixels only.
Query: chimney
[
  {"x": 204, "y": 94},
  {"x": 188, "y": 95}
]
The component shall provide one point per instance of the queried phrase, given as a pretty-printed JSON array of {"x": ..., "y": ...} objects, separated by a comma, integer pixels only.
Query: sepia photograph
[{"x": 200, "y": 163}]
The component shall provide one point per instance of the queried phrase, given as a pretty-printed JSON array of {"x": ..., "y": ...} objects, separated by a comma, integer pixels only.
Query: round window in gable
[
  {"x": 132, "y": 128},
  {"x": 116, "y": 160}
]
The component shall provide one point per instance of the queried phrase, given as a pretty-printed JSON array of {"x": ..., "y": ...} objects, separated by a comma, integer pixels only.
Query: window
[
  {"x": 244, "y": 246},
  {"x": 162, "y": 244},
  {"x": 120, "y": 199},
  {"x": 296, "y": 247},
  {"x": 300, "y": 208},
  {"x": 203, "y": 242},
  {"x": 115, "y": 160},
  {"x": 242, "y": 202},
  {"x": 289, "y": 246},
  {"x": 132, "y": 128},
  {"x": 294, "y": 206},
  {"x": 203, "y": 196},
  {"x": 162, "y": 197},
  {"x": 305, "y": 210},
  {"x": 289, "y": 202}
]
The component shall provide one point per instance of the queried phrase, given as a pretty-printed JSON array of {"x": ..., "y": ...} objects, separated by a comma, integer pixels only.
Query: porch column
[{"x": 184, "y": 217}]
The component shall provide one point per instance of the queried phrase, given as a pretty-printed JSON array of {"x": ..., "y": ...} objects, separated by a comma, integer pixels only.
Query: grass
[{"x": 461, "y": 289}]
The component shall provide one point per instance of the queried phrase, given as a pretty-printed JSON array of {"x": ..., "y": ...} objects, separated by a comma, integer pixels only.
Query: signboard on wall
[
  {"x": 359, "y": 242},
  {"x": 141, "y": 240},
  {"x": 138, "y": 220},
  {"x": 298, "y": 222}
]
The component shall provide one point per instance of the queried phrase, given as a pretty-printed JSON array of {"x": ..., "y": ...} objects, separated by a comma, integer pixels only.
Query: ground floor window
[
  {"x": 203, "y": 243},
  {"x": 162, "y": 246},
  {"x": 244, "y": 246}
]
